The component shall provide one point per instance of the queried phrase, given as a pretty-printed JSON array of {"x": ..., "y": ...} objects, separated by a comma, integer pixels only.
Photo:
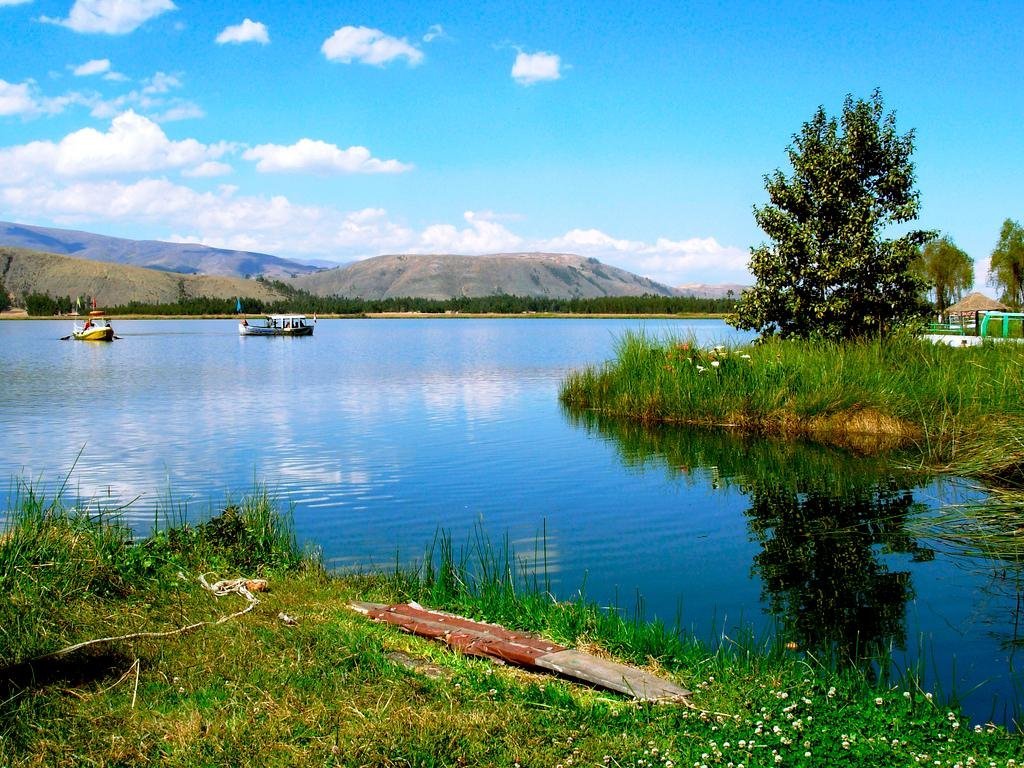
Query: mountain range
[
  {"x": 24, "y": 271},
  {"x": 444, "y": 276},
  {"x": 130, "y": 270},
  {"x": 184, "y": 258}
]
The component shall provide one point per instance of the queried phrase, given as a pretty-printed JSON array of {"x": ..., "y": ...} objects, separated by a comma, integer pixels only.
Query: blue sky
[{"x": 635, "y": 133}]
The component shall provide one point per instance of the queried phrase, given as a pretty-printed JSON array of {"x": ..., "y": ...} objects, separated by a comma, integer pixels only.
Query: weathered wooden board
[
  {"x": 612, "y": 675},
  {"x": 491, "y": 640}
]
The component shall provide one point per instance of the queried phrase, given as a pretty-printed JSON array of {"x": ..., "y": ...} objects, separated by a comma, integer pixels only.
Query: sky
[{"x": 636, "y": 133}]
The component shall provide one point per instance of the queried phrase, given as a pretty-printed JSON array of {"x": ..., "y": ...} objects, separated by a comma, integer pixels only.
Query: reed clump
[{"x": 961, "y": 409}]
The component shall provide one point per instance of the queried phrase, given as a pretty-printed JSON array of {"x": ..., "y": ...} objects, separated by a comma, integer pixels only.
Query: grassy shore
[
  {"x": 328, "y": 687},
  {"x": 959, "y": 410}
]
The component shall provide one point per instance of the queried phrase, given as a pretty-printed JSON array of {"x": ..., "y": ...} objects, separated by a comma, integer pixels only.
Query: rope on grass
[{"x": 243, "y": 587}]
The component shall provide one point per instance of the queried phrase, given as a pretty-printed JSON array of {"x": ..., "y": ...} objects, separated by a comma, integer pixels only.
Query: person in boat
[
  {"x": 88, "y": 325},
  {"x": 245, "y": 321}
]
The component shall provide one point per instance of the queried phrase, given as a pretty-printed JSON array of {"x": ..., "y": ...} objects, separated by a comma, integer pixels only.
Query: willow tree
[
  {"x": 830, "y": 270},
  {"x": 1006, "y": 270},
  {"x": 947, "y": 270}
]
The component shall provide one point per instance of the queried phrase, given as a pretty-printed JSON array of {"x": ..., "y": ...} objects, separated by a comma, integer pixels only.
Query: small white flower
[
  {"x": 878, "y": 701},
  {"x": 715, "y": 363}
]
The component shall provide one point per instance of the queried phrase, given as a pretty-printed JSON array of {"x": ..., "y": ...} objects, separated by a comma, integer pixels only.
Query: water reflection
[{"x": 827, "y": 528}]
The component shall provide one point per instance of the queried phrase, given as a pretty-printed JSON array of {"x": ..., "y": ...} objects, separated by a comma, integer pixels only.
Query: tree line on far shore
[{"x": 296, "y": 300}]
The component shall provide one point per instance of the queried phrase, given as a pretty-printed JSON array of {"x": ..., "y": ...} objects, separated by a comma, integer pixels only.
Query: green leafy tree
[
  {"x": 946, "y": 269},
  {"x": 1006, "y": 270},
  {"x": 5, "y": 300},
  {"x": 829, "y": 271}
]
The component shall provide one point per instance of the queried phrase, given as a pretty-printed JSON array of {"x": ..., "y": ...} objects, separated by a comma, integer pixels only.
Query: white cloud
[
  {"x": 530, "y": 68},
  {"x": 152, "y": 99},
  {"x": 368, "y": 46},
  {"x": 435, "y": 31},
  {"x": 161, "y": 82},
  {"x": 13, "y": 2},
  {"x": 93, "y": 67},
  {"x": 483, "y": 235},
  {"x": 111, "y": 17},
  {"x": 24, "y": 99},
  {"x": 134, "y": 144},
  {"x": 591, "y": 239},
  {"x": 309, "y": 155},
  {"x": 208, "y": 169},
  {"x": 673, "y": 262},
  {"x": 16, "y": 99},
  {"x": 180, "y": 110},
  {"x": 248, "y": 31}
]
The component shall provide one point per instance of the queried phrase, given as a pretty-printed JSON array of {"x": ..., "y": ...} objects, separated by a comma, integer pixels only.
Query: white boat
[
  {"x": 277, "y": 325},
  {"x": 95, "y": 328}
]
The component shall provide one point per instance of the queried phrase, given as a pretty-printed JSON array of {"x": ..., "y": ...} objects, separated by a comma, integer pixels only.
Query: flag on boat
[{"x": 238, "y": 305}]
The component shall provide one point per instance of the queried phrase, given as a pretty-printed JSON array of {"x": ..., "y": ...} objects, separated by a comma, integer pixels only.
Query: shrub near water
[{"x": 960, "y": 408}]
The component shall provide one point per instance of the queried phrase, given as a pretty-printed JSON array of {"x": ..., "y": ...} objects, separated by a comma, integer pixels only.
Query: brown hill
[
  {"x": 186, "y": 258},
  {"x": 445, "y": 276},
  {"x": 23, "y": 271}
]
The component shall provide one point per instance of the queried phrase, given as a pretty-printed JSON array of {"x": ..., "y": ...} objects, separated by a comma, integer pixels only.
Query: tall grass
[
  {"x": 62, "y": 566},
  {"x": 961, "y": 409}
]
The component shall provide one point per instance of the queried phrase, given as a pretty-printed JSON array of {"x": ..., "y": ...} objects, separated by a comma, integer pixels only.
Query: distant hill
[
  {"x": 445, "y": 276},
  {"x": 704, "y": 291},
  {"x": 24, "y": 271},
  {"x": 184, "y": 258}
]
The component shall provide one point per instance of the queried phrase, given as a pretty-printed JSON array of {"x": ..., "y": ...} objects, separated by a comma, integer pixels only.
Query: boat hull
[
  {"x": 255, "y": 330},
  {"x": 94, "y": 334}
]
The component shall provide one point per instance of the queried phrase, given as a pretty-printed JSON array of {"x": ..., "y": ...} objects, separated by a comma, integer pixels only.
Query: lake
[{"x": 379, "y": 433}]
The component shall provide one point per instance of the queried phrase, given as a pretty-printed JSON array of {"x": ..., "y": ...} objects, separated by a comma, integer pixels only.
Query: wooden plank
[
  {"x": 494, "y": 641},
  {"x": 471, "y": 637},
  {"x": 612, "y": 675}
]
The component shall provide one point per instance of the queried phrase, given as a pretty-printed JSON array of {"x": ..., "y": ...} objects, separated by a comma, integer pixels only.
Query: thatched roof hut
[{"x": 972, "y": 303}]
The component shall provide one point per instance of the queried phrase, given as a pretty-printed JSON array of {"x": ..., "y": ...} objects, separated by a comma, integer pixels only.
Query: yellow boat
[{"x": 96, "y": 328}]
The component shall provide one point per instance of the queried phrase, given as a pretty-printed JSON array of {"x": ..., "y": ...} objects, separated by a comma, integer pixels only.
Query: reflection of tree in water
[
  {"x": 821, "y": 569},
  {"x": 823, "y": 517}
]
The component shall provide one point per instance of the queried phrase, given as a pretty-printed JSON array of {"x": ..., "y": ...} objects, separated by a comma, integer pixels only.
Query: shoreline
[
  {"x": 392, "y": 315},
  {"x": 298, "y": 677}
]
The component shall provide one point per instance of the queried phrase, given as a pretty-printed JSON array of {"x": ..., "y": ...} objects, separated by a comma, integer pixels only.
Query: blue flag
[{"x": 238, "y": 305}]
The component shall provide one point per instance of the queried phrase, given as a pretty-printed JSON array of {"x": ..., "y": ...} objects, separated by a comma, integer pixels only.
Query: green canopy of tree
[
  {"x": 1006, "y": 270},
  {"x": 829, "y": 271},
  {"x": 5, "y": 300},
  {"x": 946, "y": 269}
]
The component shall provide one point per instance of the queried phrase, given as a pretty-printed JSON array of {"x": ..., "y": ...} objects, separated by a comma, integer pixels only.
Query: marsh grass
[
  {"x": 61, "y": 566},
  {"x": 336, "y": 689},
  {"x": 961, "y": 409}
]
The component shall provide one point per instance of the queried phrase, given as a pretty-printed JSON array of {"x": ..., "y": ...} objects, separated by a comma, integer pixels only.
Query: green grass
[
  {"x": 336, "y": 689},
  {"x": 960, "y": 410},
  {"x": 61, "y": 569}
]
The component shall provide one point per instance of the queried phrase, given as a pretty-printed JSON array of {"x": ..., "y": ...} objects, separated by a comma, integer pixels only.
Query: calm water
[{"x": 380, "y": 432}]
